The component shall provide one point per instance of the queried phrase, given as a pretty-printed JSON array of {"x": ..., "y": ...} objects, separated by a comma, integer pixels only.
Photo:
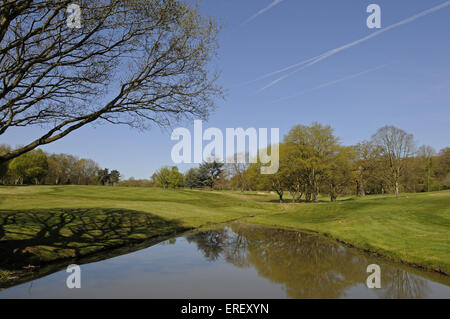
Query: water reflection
[
  {"x": 308, "y": 266},
  {"x": 236, "y": 261}
]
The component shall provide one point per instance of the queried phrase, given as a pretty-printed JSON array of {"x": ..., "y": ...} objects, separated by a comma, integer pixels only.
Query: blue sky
[{"x": 400, "y": 77}]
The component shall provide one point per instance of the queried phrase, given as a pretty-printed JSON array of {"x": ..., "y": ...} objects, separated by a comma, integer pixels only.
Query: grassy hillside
[{"x": 52, "y": 222}]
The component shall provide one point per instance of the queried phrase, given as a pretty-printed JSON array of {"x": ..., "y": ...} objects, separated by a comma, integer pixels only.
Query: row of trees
[
  {"x": 206, "y": 175},
  {"x": 38, "y": 167},
  {"x": 313, "y": 162}
]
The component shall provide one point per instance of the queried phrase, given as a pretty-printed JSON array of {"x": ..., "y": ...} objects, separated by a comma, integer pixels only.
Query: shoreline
[{"x": 32, "y": 272}]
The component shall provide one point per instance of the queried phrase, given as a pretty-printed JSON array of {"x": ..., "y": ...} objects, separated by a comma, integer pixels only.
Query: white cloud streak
[
  {"x": 270, "y": 6},
  {"x": 332, "y": 52},
  {"x": 345, "y": 78}
]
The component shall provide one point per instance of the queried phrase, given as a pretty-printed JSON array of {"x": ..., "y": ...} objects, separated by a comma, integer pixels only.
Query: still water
[{"x": 238, "y": 261}]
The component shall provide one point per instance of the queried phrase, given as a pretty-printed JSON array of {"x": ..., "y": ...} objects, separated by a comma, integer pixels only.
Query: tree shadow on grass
[{"x": 40, "y": 237}]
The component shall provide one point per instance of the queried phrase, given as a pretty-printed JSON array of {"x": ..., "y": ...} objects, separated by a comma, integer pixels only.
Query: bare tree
[
  {"x": 134, "y": 62},
  {"x": 396, "y": 146},
  {"x": 237, "y": 169}
]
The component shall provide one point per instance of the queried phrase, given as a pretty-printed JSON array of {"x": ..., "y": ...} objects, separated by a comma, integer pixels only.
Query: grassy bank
[
  {"x": 47, "y": 223},
  {"x": 414, "y": 228}
]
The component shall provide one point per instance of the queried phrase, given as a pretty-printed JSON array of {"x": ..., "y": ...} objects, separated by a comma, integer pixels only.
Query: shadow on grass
[{"x": 30, "y": 239}]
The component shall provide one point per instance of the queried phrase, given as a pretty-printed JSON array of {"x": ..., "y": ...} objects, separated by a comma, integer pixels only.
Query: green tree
[
  {"x": 162, "y": 177},
  {"x": 210, "y": 172},
  {"x": 175, "y": 178},
  {"x": 193, "y": 178},
  {"x": 114, "y": 177},
  {"x": 426, "y": 155},
  {"x": 30, "y": 167},
  {"x": 270, "y": 182},
  {"x": 316, "y": 145},
  {"x": 443, "y": 168},
  {"x": 292, "y": 169},
  {"x": 339, "y": 174},
  {"x": 255, "y": 179},
  {"x": 61, "y": 168},
  {"x": 103, "y": 176},
  {"x": 368, "y": 169}
]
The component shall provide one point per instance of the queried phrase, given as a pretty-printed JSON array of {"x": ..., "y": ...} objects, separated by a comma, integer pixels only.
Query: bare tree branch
[{"x": 133, "y": 62}]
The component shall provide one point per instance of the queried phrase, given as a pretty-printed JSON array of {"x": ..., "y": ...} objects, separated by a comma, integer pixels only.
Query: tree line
[
  {"x": 37, "y": 167},
  {"x": 208, "y": 174},
  {"x": 313, "y": 161}
]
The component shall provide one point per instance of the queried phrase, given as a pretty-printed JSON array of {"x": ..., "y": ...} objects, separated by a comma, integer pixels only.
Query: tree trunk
[
  {"x": 360, "y": 192},
  {"x": 308, "y": 196},
  {"x": 280, "y": 194},
  {"x": 333, "y": 193},
  {"x": 396, "y": 189}
]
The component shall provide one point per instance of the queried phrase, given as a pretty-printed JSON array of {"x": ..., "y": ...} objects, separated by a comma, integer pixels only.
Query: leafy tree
[
  {"x": 210, "y": 172},
  {"x": 368, "y": 168},
  {"x": 293, "y": 170},
  {"x": 271, "y": 182},
  {"x": 193, "y": 178},
  {"x": 62, "y": 169},
  {"x": 443, "y": 168},
  {"x": 426, "y": 155},
  {"x": 103, "y": 176},
  {"x": 339, "y": 175},
  {"x": 175, "y": 178},
  {"x": 255, "y": 178},
  {"x": 316, "y": 145},
  {"x": 31, "y": 166},
  {"x": 63, "y": 79},
  {"x": 114, "y": 177},
  {"x": 276, "y": 183},
  {"x": 162, "y": 177}
]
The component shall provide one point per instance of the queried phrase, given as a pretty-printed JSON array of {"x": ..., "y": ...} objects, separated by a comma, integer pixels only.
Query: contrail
[
  {"x": 348, "y": 77},
  {"x": 279, "y": 71},
  {"x": 329, "y": 53},
  {"x": 270, "y": 6}
]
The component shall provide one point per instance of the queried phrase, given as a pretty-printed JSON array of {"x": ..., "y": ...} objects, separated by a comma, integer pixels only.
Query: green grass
[
  {"x": 193, "y": 208},
  {"x": 50, "y": 220},
  {"x": 413, "y": 228}
]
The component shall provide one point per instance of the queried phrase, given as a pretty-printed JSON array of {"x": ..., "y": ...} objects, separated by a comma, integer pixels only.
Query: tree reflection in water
[{"x": 308, "y": 266}]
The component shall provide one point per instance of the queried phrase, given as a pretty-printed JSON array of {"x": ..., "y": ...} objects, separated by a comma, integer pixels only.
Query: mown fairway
[{"x": 50, "y": 222}]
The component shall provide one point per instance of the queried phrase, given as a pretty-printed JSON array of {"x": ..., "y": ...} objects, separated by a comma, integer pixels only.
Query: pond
[{"x": 237, "y": 261}]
